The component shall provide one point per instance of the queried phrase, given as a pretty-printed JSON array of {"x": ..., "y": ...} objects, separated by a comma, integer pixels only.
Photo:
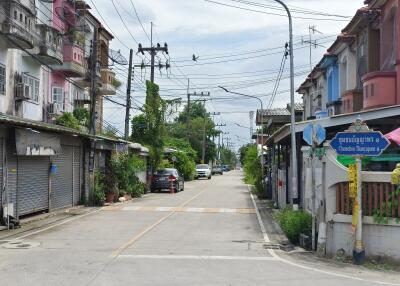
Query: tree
[
  {"x": 228, "y": 157},
  {"x": 178, "y": 129},
  {"x": 149, "y": 127}
]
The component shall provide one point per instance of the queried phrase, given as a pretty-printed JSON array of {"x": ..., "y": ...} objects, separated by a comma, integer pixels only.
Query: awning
[
  {"x": 394, "y": 136},
  {"x": 30, "y": 142},
  {"x": 336, "y": 121}
]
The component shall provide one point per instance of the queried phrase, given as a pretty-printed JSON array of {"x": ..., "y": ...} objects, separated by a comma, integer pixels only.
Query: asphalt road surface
[{"x": 210, "y": 234}]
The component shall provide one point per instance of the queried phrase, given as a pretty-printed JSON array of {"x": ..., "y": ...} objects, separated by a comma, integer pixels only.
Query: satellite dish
[{"x": 117, "y": 57}]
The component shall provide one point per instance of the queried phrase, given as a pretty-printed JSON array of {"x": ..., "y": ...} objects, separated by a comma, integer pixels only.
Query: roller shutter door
[
  {"x": 1, "y": 173},
  {"x": 77, "y": 175},
  {"x": 62, "y": 180},
  {"x": 32, "y": 184}
]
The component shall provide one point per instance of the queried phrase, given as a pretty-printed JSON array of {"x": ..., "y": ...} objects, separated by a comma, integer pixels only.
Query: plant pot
[{"x": 110, "y": 197}]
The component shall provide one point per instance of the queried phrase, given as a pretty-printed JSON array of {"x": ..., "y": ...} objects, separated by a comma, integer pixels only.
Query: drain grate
[
  {"x": 272, "y": 246},
  {"x": 19, "y": 244}
]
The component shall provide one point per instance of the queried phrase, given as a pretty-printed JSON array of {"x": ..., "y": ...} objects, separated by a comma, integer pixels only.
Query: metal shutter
[
  {"x": 11, "y": 178},
  {"x": 2, "y": 193},
  {"x": 33, "y": 184},
  {"x": 61, "y": 181},
  {"x": 77, "y": 175}
]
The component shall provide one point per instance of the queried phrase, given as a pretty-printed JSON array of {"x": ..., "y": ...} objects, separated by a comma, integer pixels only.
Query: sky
[{"x": 239, "y": 49}]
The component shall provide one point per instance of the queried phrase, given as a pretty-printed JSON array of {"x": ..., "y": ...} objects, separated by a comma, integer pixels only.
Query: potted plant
[{"x": 99, "y": 195}]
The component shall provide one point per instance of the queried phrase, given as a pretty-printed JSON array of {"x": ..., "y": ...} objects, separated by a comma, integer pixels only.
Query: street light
[
  {"x": 262, "y": 125},
  {"x": 295, "y": 194}
]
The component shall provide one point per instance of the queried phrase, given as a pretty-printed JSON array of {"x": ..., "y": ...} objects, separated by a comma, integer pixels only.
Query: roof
[
  {"x": 358, "y": 20},
  {"x": 274, "y": 112},
  {"x": 341, "y": 39},
  {"x": 338, "y": 120},
  {"x": 28, "y": 123}
]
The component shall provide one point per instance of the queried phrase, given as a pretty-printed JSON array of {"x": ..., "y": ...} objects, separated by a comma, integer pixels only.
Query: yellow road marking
[
  {"x": 119, "y": 250},
  {"x": 189, "y": 210}
]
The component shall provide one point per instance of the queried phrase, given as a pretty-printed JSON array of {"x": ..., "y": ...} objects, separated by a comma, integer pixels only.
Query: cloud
[{"x": 208, "y": 30}]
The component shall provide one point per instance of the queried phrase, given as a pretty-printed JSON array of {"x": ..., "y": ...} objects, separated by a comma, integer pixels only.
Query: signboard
[
  {"x": 314, "y": 135},
  {"x": 353, "y": 181},
  {"x": 370, "y": 143}
]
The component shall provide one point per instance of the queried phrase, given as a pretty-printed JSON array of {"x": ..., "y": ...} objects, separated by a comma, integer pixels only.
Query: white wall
[
  {"x": 380, "y": 240},
  {"x": 3, "y": 61},
  {"x": 19, "y": 62}
]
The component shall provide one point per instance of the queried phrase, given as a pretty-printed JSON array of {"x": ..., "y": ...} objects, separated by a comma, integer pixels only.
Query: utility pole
[
  {"x": 251, "y": 114},
  {"x": 93, "y": 101},
  {"x": 189, "y": 95},
  {"x": 188, "y": 111},
  {"x": 153, "y": 53},
  {"x": 128, "y": 96},
  {"x": 313, "y": 43},
  {"x": 219, "y": 139},
  {"x": 203, "y": 152}
]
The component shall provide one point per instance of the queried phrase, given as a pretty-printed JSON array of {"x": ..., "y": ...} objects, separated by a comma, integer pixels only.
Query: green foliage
[
  {"x": 99, "y": 195},
  {"x": 182, "y": 145},
  {"x": 165, "y": 164},
  {"x": 252, "y": 166},
  {"x": 116, "y": 83},
  {"x": 82, "y": 115},
  {"x": 242, "y": 152},
  {"x": 151, "y": 123},
  {"x": 185, "y": 165},
  {"x": 125, "y": 167},
  {"x": 384, "y": 215},
  {"x": 68, "y": 120},
  {"x": 293, "y": 223},
  {"x": 197, "y": 110},
  {"x": 228, "y": 157}
]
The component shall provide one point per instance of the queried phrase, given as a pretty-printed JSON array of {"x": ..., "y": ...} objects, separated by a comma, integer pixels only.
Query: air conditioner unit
[
  {"x": 23, "y": 92},
  {"x": 53, "y": 109}
]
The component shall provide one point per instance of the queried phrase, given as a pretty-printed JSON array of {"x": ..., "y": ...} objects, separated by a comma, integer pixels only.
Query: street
[{"x": 207, "y": 235}]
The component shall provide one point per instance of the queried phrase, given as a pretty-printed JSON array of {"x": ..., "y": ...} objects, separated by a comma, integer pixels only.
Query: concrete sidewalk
[{"x": 44, "y": 220}]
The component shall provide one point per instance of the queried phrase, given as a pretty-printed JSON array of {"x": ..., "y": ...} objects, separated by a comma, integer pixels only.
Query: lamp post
[
  {"x": 262, "y": 125},
  {"x": 295, "y": 195}
]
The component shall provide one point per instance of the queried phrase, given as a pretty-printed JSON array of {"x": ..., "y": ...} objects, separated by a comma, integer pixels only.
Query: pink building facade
[{"x": 381, "y": 86}]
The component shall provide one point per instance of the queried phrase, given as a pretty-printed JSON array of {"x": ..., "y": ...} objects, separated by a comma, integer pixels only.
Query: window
[
  {"x": 33, "y": 86},
  {"x": 58, "y": 97},
  {"x": 21, "y": 17},
  {"x": 2, "y": 79},
  {"x": 15, "y": 15}
]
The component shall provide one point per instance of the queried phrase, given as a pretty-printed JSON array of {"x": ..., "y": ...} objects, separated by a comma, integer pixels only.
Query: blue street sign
[
  {"x": 314, "y": 134},
  {"x": 359, "y": 143}
]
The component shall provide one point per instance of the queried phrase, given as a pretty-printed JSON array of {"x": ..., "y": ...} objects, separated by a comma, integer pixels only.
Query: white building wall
[
  {"x": 379, "y": 239},
  {"x": 3, "y": 61},
  {"x": 18, "y": 62}
]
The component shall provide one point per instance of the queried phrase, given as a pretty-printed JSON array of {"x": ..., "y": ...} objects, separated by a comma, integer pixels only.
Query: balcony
[
  {"x": 108, "y": 83},
  {"x": 82, "y": 97},
  {"x": 352, "y": 101},
  {"x": 379, "y": 89},
  {"x": 50, "y": 45},
  {"x": 18, "y": 35},
  {"x": 73, "y": 61}
]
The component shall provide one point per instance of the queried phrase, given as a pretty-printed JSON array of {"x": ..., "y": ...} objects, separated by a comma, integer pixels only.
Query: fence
[{"x": 374, "y": 197}]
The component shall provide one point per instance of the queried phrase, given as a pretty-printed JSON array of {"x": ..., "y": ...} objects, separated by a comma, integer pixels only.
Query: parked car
[
  {"x": 164, "y": 178},
  {"x": 225, "y": 168},
  {"x": 203, "y": 171},
  {"x": 217, "y": 170}
]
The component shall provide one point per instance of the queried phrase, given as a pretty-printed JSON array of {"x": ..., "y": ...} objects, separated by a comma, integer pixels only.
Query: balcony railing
[
  {"x": 73, "y": 61},
  {"x": 20, "y": 37},
  {"x": 108, "y": 82},
  {"x": 50, "y": 45},
  {"x": 379, "y": 89},
  {"x": 352, "y": 101}
]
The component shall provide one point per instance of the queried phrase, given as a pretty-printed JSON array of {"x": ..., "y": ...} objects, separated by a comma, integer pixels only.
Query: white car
[{"x": 203, "y": 171}]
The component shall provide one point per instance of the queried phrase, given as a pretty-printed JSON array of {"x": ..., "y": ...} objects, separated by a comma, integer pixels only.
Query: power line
[
  {"x": 269, "y": 13},
  {"x": 138, "y": 18}
]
